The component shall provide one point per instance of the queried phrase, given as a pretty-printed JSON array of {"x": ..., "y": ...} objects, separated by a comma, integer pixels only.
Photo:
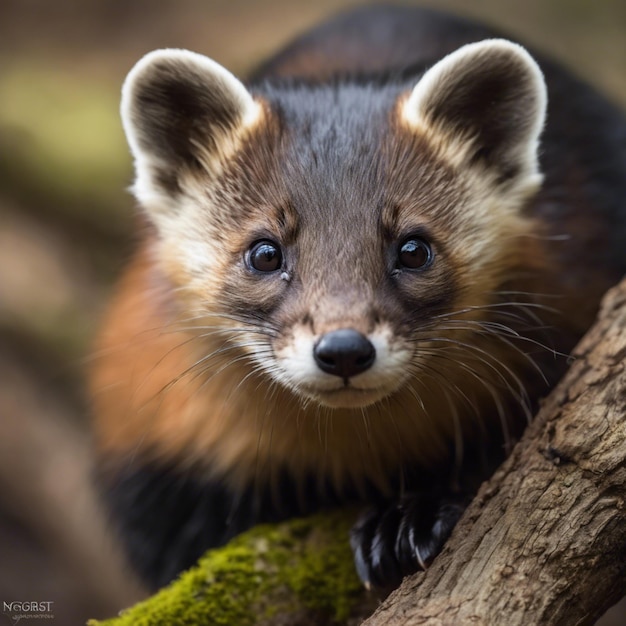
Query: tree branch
[{"x": 544, "y": 541}]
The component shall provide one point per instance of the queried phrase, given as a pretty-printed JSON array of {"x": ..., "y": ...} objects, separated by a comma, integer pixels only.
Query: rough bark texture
[{"x": 544, "y": 542}]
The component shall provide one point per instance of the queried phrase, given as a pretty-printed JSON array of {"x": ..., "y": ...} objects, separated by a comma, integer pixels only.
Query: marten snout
[{"x": 345, "y": 353}]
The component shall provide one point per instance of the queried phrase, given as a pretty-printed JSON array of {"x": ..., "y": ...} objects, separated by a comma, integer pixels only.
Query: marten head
[{"x": 342, "y": 238}]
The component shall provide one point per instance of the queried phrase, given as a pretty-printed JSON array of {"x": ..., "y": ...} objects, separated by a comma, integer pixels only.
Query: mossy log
[
  {"x": 299, "y": 574},
  {"x": 544, "y": 541}
]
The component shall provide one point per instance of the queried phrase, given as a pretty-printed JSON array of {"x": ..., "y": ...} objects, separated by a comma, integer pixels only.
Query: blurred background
[{"x": 65, "y": 231}]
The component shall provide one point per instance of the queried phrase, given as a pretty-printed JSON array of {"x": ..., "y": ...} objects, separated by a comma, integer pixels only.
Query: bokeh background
[{"x": 65, "y": 232}]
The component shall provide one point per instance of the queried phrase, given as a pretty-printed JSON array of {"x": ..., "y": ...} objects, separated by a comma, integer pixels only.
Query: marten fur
[{"x": 357, "y": 275}]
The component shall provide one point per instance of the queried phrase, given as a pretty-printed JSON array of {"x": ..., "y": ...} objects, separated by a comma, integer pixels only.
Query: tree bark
[{"x": 544, "y": 541}]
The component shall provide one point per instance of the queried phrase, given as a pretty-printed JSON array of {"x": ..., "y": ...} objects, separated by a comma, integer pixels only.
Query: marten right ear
[
  {"x": 181, "y": 112},
  {"x": 485, "y": 105}
]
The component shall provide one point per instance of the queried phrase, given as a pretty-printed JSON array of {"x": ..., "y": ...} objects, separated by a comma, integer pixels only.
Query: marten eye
[
  {"x": 265, "y": 256},
  {"x": 415, "y": 254}
]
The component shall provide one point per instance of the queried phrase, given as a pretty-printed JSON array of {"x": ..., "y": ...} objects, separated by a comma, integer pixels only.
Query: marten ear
[
  {"x": 181, "y": 112},
  {"x": 486, "y": 102}
]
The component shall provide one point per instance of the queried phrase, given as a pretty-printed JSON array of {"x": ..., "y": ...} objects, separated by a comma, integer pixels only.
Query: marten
[{"x": 356, "y": 276}]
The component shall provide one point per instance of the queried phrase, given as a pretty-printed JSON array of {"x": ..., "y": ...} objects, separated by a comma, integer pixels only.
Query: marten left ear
[
  {"x": 182, "y": 112},
  {"x": 485, "y": 104}
]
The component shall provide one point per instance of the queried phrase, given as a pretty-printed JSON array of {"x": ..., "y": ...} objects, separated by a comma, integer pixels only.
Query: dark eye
[
  {"x": 265, "y": 256},
  {"x": 415, "y": 254}
]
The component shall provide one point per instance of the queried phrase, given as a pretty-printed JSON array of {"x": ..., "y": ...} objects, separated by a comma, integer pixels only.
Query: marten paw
[{"x": 394, "y": 540}]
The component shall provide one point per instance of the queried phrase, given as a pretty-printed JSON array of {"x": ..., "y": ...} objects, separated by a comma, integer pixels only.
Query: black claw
[
  {"x": 403, "y": 549},
  {"x": 361, "y": 537},
  {"x": 394, "y": 541},
  {"x": 384, "y": 564}
]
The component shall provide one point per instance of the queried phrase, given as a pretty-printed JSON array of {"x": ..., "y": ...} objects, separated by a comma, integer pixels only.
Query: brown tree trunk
[{"x": 544, "y": 542}]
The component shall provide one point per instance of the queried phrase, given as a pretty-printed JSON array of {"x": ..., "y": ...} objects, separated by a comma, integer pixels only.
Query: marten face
[{"x": 335, "y": 236}]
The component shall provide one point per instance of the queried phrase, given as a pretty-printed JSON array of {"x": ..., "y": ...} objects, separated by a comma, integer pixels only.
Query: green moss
[
  {"x": 268, "y": 571},
  {"x": 326, "y": 578}
]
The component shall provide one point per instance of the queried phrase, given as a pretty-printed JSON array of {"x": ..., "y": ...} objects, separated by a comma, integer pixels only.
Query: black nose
[{"x": 345, "y": 352}]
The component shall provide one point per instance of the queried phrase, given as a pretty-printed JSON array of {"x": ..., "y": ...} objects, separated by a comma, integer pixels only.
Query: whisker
[{"x": 506, "y": 341}]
